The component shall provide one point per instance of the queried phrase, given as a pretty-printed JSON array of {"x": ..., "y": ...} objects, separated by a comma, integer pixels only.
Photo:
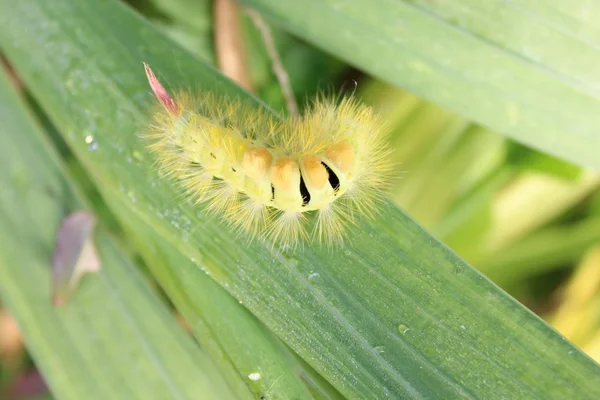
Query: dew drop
[
  {"x": 458, "y": 269},
  {"x": 137, "y": 155},
  {"x": 403, "y": 329},
  {"x": 313, "y": 275},
  {"x": 92, "y": 145},
  {"x": 379, "y": 349},
  {"x": 254, "y": 376}
]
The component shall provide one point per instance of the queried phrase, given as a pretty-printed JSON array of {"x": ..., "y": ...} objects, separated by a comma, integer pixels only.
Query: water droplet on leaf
[
  {"x": 254, "y": 376},
  {"x": 403, "y": 329}
]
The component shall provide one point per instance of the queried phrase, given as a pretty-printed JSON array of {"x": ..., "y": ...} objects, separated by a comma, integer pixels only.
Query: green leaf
[
  {"x": 548, "y": 249},
  {"x": 188, "y": 22},
  {"x": 252, "y": 354},
  {"x": 392, "y": 314},
  {"x": 529, "y": 160},
  {"x": 114, "y": 338},
  {"x": 525, "y": 69}
]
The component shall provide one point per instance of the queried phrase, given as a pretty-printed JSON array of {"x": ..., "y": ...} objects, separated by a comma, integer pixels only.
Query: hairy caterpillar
[{"x": 264, "y": 174}]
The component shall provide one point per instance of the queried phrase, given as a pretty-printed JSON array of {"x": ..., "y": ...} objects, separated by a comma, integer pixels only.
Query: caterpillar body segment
[{"x": 265, "y": 175}]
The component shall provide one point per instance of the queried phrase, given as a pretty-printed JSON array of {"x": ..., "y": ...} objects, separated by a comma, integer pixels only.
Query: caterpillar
[{"x": 285, "y": 180}]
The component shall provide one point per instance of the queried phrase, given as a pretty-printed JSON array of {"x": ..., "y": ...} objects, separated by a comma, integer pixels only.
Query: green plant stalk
[
  {"x": 114, "y": 338},
  {"x": 413, "y": 137},
  {"x": 237, "y": 342},
  {"x": 464, "y": 227},
  {"x": 531, "y": 200},
  {"x": 441, "y": 156},
  {"x": 444, "y": 174},
  {"x": 395, "y": 106},
  {"x": 541, "y": 252}
]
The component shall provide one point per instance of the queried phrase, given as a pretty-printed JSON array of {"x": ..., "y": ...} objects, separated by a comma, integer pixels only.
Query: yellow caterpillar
[{"x": 264, "y": 174}]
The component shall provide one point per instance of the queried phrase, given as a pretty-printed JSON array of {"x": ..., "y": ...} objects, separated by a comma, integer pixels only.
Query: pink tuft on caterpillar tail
[{"x": 161, "y": 93}]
